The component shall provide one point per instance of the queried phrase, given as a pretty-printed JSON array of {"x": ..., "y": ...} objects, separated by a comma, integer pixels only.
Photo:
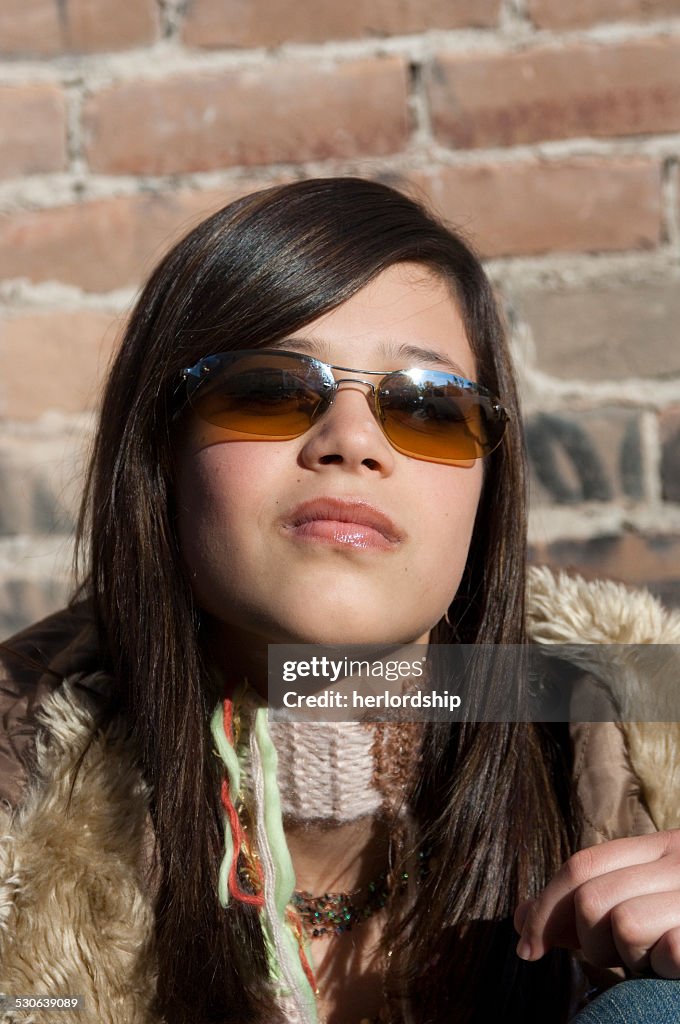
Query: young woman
[{"x": 310, "y": 434}]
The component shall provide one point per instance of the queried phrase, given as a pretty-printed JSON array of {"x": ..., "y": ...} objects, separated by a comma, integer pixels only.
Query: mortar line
[
  {"x": 651, "y": 456},
  {"x": 173, "y": 57}
]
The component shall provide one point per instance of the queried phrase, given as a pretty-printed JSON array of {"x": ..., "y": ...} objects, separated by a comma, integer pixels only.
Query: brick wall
[{"x": 549, "y": 131}]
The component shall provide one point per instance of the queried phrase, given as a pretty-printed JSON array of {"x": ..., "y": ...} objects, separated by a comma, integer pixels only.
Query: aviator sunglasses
[{"x": 274, "y": 395}]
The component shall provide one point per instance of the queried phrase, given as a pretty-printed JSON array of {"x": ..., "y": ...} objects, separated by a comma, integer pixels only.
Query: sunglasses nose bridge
[
  {"x": 354, "y": 380},
  {"x": 371, "y": 395}
]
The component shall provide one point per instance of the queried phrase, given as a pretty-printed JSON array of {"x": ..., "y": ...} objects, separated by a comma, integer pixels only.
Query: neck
[
  {"x": 338, "y": 859},
  {"x": 241, "y": 654},
  {"x": 238, "y": 654}
]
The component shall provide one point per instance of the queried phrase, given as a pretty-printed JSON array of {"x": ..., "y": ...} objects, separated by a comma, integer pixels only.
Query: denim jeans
[{"x": 641, "y": 1001}]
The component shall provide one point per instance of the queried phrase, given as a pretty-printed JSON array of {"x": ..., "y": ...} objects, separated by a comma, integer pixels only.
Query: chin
[{"x": 336, "y": 632}]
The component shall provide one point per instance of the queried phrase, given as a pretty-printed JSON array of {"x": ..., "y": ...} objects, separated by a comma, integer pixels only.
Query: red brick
[
  {"x": 47, "y": 27},
  {"x": 265, "y": 114},
  {"x": 559, "y": 14},
  {"x": 213, "y": 23},
  {"x": 32, "y": 129},
  {"x": 584, "y": 89},
  {"x": 596, "y": 331},
  {"x": 24, "y": 600},
  {"x": 629, "y": 558},
  {"x": 592, "y": 455},
  {"x": 54, "y": 360},
  {"x": 102, "y": 245},
  {"x": 586, "y": 205}
]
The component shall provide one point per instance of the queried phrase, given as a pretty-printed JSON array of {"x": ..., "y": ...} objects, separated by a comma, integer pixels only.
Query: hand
[{"x": 618, "y": 902}]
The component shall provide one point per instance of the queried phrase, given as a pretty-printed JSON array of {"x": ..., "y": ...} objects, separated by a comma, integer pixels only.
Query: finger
[
  {"x": 558, "y": 929},
  {"x": 620, "y": 915},
  {"x": 551, "y": 918},
  {"x": 627, "y": 933},
  {"x": 520, "y": 915},
  {"x": 664, "y": 957}
]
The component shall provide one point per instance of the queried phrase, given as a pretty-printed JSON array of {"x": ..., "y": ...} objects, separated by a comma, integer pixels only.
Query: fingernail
[{"x": 523, "y": 950}]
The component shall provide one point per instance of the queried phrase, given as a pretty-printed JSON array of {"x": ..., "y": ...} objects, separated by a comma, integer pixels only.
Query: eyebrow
[{"x": 414, "y": 354}]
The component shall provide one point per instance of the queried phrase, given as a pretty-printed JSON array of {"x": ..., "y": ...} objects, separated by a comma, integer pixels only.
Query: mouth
[{"x": 344, "y": 523}]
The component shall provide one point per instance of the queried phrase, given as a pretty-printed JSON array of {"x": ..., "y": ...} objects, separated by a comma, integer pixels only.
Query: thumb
[{"x": 521, "y": 915}]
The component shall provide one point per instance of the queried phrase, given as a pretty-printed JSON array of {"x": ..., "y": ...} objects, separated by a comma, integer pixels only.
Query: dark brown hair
[{"x": 486, "y": 801}]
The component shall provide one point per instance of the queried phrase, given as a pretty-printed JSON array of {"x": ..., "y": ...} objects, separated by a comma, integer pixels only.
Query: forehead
[{"x": 405, "y": 316}]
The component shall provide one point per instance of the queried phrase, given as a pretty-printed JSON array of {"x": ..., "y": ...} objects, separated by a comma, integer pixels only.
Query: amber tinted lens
[
  {"x": 267, "y": 395},
  {"x": 429, "y": 415}
]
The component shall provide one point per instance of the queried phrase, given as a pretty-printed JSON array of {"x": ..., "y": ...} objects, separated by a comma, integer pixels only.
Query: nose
[{"x": 348, "y": 434}]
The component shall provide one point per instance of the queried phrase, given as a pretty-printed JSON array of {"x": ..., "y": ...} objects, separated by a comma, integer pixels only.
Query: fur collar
[
  {"x": 76, "y": 916},
  {"x": 568, "y": 610}
]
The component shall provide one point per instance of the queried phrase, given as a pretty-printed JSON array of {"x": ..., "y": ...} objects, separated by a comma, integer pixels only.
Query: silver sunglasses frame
[{"x": 193, "y": 376}]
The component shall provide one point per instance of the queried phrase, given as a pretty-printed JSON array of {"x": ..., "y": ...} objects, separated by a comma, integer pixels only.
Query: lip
[{"x": 351, "y": 523}]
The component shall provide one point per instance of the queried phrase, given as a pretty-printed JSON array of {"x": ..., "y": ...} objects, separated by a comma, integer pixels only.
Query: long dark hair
[{"x": 486, "y": 800}]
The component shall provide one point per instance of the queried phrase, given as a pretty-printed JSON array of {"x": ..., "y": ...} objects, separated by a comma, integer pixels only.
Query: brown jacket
[{"x": 86, "y": 873}]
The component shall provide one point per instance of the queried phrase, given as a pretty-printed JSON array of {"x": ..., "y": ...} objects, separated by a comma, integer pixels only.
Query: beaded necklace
[{"x": 337, "y": 912}]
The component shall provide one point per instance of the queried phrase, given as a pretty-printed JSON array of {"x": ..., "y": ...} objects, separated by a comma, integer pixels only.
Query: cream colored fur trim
[
  {"x": 566, "y": 609},
  {"x": 73, "y": 918}
]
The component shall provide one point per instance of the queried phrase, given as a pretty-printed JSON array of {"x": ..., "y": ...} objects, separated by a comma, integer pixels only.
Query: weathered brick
[
  {"x": 41, "y": 480},
  {"x": 670, "y": 454},
  {"x": 103, "y": 244},
  {"x": 25, "y": 601},
  {"x": 263, "y": 114},
  {"x": 556, "y": 14},
  {"x": 649, "y": 561},
  {"x": 582, "y": 89},
  {"x": 54, "y": 361},
  {"x": 47, "y": 27},
  {"x": 589, "y": 456},
  {"x": 606, "y": 330},
  {"x": 32, "y": 129},
  {"x": 575, "y": 205},
  {"x": 214, "y": 23}
]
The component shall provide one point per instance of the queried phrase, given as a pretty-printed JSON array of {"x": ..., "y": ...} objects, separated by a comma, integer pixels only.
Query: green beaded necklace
[{"x": 337, "y": 912}]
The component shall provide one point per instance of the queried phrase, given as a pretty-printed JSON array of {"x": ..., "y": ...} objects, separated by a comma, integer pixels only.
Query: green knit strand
[
  {"x": 284, "y": 873},
  {"x": 230, "y": 760}
]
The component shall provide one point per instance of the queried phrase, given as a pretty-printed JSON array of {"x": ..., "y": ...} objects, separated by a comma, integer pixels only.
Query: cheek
[
  {"x": 216, "y": 491},
  {"x": 449, "y": 510},
  {"x": 220, "y": 497}
]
